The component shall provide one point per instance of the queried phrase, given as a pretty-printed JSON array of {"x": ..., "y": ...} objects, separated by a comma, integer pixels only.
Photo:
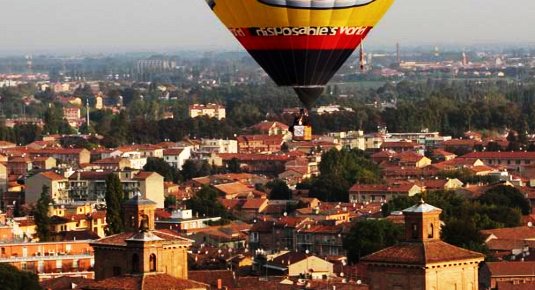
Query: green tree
[
  {"x": 205, "y": 203},
  {"x": 163, "y": 168},
  {"x": 233, "y": 165},
  {"x": 170, "y": 201},
  {"x": 12, "y": 278},
  {"x": 41, "y": 215},
  {"x": 508, "y": 196},
  {"x": 463, "y": 233},
  {"x": 53, "y": 118},
  {"x": 340, "y": 169},
  {"x": 114, "y": 197},
  {"x": 279, "y": 190},
  {"x": 370, "y": 236}
]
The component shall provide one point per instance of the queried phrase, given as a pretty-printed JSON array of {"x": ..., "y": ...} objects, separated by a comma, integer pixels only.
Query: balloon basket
[{"x": 302, "y": 133}]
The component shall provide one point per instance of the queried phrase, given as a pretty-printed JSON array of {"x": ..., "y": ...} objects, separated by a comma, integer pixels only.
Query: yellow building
[
  {"x": 58, "y": 187},
  {"x": 423, "y": 261}
]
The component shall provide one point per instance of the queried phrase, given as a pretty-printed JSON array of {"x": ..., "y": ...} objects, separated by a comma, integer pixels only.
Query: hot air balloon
[{"x": 300, "y": 43}]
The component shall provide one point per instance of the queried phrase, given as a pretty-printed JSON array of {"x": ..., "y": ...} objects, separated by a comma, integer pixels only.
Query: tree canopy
[
  {"x": 506, "y": 196},
  {"x": 12, "y": 278},
  {"x": 369, "y": 236},
  {"x": 114, "y": 198},
  {"x": 42, "y": 217},
  {"x": 339, "y": 170},
  {"x": 279, "y": 190},
  {"x": 163, "y": 168},
  {"x": 205, "y": 203}
]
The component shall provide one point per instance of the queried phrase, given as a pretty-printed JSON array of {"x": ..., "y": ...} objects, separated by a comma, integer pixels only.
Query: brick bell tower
[
  {"x": 141, "y": 250},
  {"x": 422, "y": 261},
  {"x": 136, "y": 210},
  {"x": 422, "y": 223}
]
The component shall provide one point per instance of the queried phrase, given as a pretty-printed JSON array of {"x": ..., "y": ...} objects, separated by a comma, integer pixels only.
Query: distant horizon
[
  {"x": 99, "y": 26},
  {"x": 483, "y": 46}
]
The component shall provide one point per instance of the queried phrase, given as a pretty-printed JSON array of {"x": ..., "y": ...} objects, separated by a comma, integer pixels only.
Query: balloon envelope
[{"x": 300, "y": 43}]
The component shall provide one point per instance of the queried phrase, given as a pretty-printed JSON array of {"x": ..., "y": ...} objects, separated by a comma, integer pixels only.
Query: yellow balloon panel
[{"x": 277, "y": 13}]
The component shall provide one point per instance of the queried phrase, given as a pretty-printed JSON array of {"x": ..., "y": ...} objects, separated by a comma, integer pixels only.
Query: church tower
[
  {"x": 142, "y": 250},
  {"x": 423, "y": 261}
]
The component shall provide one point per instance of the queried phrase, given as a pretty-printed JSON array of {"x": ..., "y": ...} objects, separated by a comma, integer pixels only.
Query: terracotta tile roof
[
  {"x": 254, "y": 157},
  {"x": 233, "y": 188},
  {"x": 142, "y": 175},
  {"x": 167, "y": 282},
  {"x": 262, "y": 227},
  {"x": 442, "y": 152},
  {"x": 52, "y": 176},
  {"x": 24, "y": 159},
  {"x": 529, "y": 285},
  {"x": 254, "y": 204},
  {"x": 409, "y": 156},
  {"x": 327, "y": 229},
  {"x": 110, "y": 160},
  {"x": 460, "y": 142},
  {"x": 517, "y": 233},
  {"x": 120, "y": 239},
  {"x": 383, "y": 154},
  {"x": 161, "y": 213},
  {"x": 421, "y": 253},
  {"x": 483, "y": 168},
  {"x": 500, "y": 155},
  {"x": 508, "y": 244},
  {"x": 230, "y": 203},
  {"x": 435, "y": 183},
  {"x": 289, "y": 221},
  {"x": 90, "y": 175},
  {"x": 57, "y": 151},
  {"x": 399, "y": 187},
  {"x": 64, "y": 283},
  {"x": 211, "y": 277},
  {"x": 288, "y": 259},
  {"x": 265, "y": 126},
  {"x": 504, "y": 269},
  {"x": 250, "y": 283},
  {"x": 168, "y": 152},
  {"x": 266, "y": 139}
]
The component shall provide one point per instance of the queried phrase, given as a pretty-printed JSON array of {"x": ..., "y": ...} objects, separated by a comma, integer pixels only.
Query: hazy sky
[{"x": 125, "y": 25}]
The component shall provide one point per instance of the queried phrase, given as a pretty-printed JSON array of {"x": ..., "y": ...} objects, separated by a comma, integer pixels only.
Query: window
[
  {"x": 152, "y": 263},
  {"x": 430, "y": 231},
  {"x": 116, "y": 271},
  {"x": 414, "y": 231}
]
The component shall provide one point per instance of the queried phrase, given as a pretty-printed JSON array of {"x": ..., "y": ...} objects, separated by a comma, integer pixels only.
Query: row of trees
[
  {"x": 449, "y": 106},
  {"x": 339, "y": 170}
]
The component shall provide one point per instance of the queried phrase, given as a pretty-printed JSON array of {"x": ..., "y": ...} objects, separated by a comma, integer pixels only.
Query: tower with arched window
[
  {"x": 423, "y": 261},
  {"x": 143, "y": 250}
]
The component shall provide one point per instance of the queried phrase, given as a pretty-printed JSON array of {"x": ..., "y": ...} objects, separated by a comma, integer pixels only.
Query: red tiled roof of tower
[{"x": 421, "y": 253}]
